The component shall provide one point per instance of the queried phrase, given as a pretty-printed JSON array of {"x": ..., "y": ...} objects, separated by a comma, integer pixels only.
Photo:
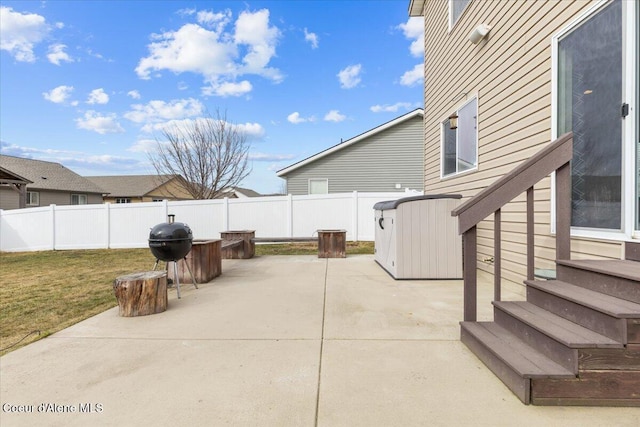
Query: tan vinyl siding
[
  {"x": 510, "y": 73},
  {"x": 378, "y": 163},
  {"x": 9, "y": 198},
  {"x": 47, "y": 197}
]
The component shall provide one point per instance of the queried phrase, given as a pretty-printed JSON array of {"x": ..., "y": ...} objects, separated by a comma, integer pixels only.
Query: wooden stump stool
[{"x": 140, "y": 294}]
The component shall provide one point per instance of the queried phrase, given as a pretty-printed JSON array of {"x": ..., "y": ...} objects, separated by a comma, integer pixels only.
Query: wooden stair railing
[{"x": 555, "y": 157}]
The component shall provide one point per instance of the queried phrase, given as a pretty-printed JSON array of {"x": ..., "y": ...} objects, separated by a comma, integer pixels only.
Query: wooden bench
[
  {"x": 331, "y": 243},
  {"x": 283, "y": 239},
  {"x": 232, "y": 249}
]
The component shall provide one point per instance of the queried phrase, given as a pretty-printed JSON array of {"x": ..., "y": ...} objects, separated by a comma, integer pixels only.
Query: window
[
  {"x": 153, "y": 200},
  {"x": 123, "y": 200},
  {"x": 78, "y": 199},
  {"x": 318, "y": 186},
  {"x": 460, "y": 146},
  {"x": 456, "y": 7},
  {"x": 33, "y": 198}
]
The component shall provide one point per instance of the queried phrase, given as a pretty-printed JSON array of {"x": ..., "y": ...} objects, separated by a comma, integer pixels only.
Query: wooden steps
[{"x": 575, "y": 341}]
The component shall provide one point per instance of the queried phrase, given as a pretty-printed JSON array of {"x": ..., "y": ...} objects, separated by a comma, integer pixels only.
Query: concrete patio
[{"x": 279, "y": 341}]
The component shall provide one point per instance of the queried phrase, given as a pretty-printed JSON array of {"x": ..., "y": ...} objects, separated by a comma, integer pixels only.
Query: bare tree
[{"x": 210, "y": 153}]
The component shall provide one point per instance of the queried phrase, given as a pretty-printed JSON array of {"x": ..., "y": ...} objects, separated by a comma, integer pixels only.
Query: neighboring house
[
  {"x": 43, "y": 184},
  {"x": 141, "y": 188},
  {"x": 504, "y": 79},
  {"x": 389, "y": 157},
  {"x": 17, "y": 183},
  {"x": 543, "y": 69},
  {"x": 238, "y": 193}
]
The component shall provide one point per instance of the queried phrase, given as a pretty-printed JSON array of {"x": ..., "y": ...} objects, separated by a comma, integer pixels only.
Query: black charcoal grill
[{"x": 170, "y": 242}]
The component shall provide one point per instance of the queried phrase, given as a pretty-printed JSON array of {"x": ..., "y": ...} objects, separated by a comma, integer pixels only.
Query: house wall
[
  {"x": 510, "y": 73},
  {"x": 9, "y": 198},
  {"x": 171, "y": 190},
  {"x": 378, "y": 163}
]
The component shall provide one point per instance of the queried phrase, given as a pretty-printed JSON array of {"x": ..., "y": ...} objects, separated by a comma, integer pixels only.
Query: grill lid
[{"x": 166, "y": 232}]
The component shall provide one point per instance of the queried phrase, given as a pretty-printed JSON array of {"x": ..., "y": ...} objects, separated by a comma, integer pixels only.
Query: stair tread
[
  {"x": 562, "y": 330},
  {"x": 619, "y": 268},
  {"x": 607, "y": 304},
  {"x": 523, "y": 359}
]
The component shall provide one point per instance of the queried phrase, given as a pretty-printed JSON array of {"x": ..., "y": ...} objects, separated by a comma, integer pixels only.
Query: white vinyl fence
[{"x": 127, "y": 225}]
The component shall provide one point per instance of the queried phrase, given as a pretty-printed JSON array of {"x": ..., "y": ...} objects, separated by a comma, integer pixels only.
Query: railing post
[
  {"x": 497, "y": 260},
  {"x": 563, "y": 212},
  {"x": 470, "y": 265},
  {"x": 530, "y": 235}
]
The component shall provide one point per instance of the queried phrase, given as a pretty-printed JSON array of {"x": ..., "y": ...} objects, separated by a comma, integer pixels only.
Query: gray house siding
[
  {"x": 377, "y": 163},
  {"x": 9, "y": 198}
]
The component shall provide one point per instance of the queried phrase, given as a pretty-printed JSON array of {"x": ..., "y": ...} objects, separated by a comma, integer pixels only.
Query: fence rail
[{"x": 127, "y": 225}]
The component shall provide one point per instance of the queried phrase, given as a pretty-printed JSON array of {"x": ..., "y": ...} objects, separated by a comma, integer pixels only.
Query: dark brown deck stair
[{"x": 575, "y": 341}]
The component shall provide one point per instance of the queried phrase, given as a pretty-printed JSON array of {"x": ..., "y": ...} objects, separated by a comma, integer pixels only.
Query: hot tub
[{"x": 417, "y": 238}]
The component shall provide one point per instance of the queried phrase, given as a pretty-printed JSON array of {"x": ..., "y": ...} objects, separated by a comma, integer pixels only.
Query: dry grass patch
[
  {"x": 49, "y": 291},
  {"x": 310, "y": 248}
]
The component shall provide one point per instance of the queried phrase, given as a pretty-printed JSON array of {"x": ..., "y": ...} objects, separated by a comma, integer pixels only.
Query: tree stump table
[
  {"x": 332, "y": 243},
  {"x": 140, "y": 294}
]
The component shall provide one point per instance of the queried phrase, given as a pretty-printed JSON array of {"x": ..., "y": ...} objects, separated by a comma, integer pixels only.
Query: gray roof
[
  {"x": 130, "y": 185},
  {"x": 48, "y": 175}
]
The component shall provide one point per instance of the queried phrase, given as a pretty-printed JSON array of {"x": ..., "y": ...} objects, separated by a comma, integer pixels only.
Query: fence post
[
  {"x": 289, "y": 215},
  {"x": 354, "y": 217},
  {"x": 107, "y": 210},
  {"x": 53, "y": 227},
  {"x": 225, "y": 214},
  {"x": 165, "y": 202}
]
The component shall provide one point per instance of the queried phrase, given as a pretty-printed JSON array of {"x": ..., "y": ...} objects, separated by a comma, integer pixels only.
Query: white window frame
[
  {"x": 452, "y": 23},
  {"x": 628, "y": 166},
  {"x": 325, "y": 180},
  {"x": 124, "y": 200},
  {"x": 30, "y": 196},
  {"x": 80, "y": 197},
  {"x": 442, "y": 148}
]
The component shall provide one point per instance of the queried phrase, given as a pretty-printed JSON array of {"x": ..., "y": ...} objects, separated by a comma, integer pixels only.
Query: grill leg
[
  {"x": 189, "y": 268},
  {"x": 156, "y": 265},
  {"x": 175, "y": 272}
]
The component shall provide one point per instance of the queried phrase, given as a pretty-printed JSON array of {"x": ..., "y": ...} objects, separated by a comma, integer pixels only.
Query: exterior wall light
[
  {"x": 479, "y": 33},
  {"x": 453, "y": 121}
]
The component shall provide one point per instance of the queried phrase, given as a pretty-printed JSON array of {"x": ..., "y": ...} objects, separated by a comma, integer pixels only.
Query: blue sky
[{"x": 91, "y": 84}]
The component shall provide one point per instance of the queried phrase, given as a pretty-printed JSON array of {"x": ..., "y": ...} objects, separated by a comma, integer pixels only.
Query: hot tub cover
[{"x": 393, "y": 204}]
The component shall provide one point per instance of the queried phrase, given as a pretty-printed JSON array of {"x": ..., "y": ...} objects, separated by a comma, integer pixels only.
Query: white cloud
[
  {"x": 144, "y": 146},
  {"x": 312, "y": 38},
  {"x": 134, "y": 94},
  {"x": 295, "y": 118},
  {"x": 98, "y": 96},
  {"x": 413, "y": 29},
  {"x": 101, "y": 124},
  {"x": 253, "y": 30},
  {"x": 334, "y": 116},
  {"x": 57, "y": 54},
  {"x": 220, "y": 56},
  {"x": 158, "y": 111},
  {"x": 252, "y": 130},
  {"x": 413, "y": 77},
  {"x": 391, "y": 108},
  {"x": 59, "y": 94},
  {"x": 214, "y": 20},
  {"x": 265, "y": 157},
  {"x": 350, "y": 76},
  {"x": 228, "y": 89},
  {"x": 20, "y": 32}
]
